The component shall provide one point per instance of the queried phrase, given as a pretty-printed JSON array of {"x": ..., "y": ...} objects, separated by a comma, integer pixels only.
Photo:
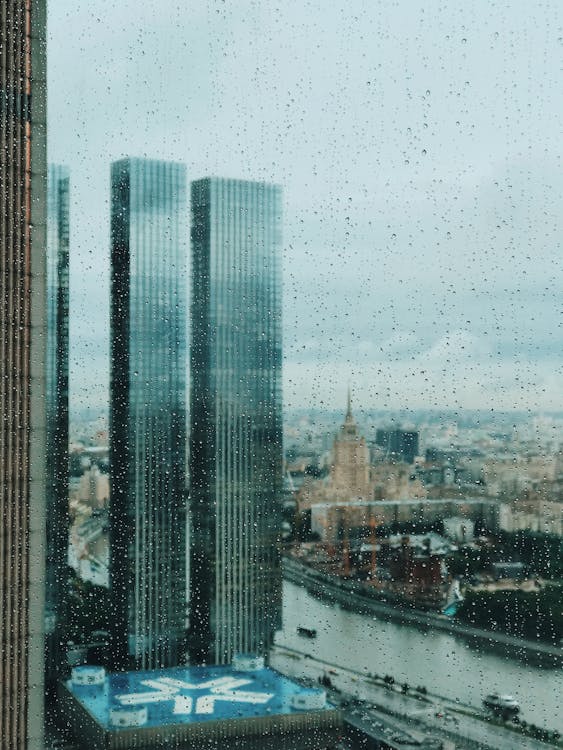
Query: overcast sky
[{"x": 419, "y": 148}]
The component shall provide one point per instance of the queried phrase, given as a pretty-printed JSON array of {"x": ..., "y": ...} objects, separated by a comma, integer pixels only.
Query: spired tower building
[
  {"x": 236, "y": 419},
  {"x": 350, "y": 470},
  {"x": 147, "y": 413}
]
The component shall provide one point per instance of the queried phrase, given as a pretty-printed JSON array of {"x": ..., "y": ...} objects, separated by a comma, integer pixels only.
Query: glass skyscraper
[
  {"x": 57, "y": 411},
  {"x": 235, "y": 418},
  {"x": 147, "y": 412}
]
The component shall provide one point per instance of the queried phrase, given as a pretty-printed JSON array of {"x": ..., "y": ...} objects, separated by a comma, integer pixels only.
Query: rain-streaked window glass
[{"x": 281, "y": 374}]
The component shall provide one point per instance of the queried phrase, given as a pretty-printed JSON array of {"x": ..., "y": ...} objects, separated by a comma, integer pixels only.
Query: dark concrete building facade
[
  {"x": 22, "y": 371},
  {"x": 57, "y": 415}
]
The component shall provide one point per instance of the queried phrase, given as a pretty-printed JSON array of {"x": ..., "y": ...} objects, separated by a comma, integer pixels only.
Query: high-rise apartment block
[
  {"x": 236, "y": 419},
  {"x": 22, "y": 371},
  {"x": 401, "y": 445},
  {"x": 57, "y": 413},
  {"x": 147, "y": 412}
]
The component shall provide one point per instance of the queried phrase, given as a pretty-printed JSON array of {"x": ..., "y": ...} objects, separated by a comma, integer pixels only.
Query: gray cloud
[{"x": 419, "y": 150}]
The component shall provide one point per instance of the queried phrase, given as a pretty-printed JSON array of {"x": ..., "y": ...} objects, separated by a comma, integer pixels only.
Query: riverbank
[
  {"x": 435, "y": 714},
  {"x": 358, "y": 597}
]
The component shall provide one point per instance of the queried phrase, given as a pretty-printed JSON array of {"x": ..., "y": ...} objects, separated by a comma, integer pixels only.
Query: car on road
[
  {"x": 497, "y": 702},
  {"x": 406, "y": 740},
  {"x": 432, "y": 743}
]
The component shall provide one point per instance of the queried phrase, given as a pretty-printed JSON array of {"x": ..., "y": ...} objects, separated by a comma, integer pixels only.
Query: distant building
[
  {"x": 236, "y": 452},
  {"x": 349, "y": 474},
  {"x": 395, "y": 481},
  {"x": 541, "y": 516},
  {"x": 510, "y": 476},
  {"x": 446, "y": 473},
  {"x": 329, "y": 518},
  {"x": 417, "y": 569},
  {"x": 352, "y": 478},
  {"x": 459, "y": 529},
  {"x": 399, "y": 444},
  {"x": 94, "y": 488},
  {"x": 148, "y": 413},
  {"x": 89, "y": 549},
  {"x": 507, "y": 570}
]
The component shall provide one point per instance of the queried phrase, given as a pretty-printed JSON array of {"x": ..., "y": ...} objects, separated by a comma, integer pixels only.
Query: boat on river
[{"x": 306, "y": 632}]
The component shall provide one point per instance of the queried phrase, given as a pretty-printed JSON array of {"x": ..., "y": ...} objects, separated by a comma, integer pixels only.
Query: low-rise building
[
  {"x": 246, "y": 706},
  {"x": 460, "y": 529},
  {"x": 542, "y": 516},
  {"x": 330, "y": 519}
]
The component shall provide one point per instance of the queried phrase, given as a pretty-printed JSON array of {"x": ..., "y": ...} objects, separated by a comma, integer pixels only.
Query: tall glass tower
[
  {"x": 57, "y": 412},
  {"x": 235, "y": 418},
  {"x": 147, "y": 412},
  {"x": 23, "y": 187}
]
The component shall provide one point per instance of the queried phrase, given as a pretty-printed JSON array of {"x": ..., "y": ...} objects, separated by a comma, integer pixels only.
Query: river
[{"x": 446, "y": 665}]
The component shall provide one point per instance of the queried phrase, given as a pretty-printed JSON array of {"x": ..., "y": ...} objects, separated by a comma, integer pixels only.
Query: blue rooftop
[{"x": 187, "y": 695}]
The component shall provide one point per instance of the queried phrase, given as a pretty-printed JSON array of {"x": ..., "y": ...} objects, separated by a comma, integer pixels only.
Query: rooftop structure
[{"x": 193, "y": 706}]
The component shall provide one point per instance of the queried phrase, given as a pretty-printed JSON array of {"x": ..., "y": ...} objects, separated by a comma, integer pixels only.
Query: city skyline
[
  {"x": 420, "y": 165},
  {"x": 421, "y": 268},
  {"x": 235, "y": 436},
  {"x": 147, "y": 515}
]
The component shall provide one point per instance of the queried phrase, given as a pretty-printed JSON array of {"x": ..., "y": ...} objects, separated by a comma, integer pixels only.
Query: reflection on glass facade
[
  {"x": 147, "y": 412},
  {"x": 235, "y": 418},
  {"x": 57, "y": 408}
]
